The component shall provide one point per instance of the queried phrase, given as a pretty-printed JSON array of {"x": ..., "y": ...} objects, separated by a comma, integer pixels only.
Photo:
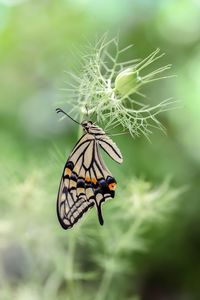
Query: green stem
[
  {"x": 70, "y": 267},
  {"x": 104, "y": 286},
  {"x": 108, "y": 275}
]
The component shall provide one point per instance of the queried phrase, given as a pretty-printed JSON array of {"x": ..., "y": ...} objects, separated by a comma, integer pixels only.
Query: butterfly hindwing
[{"x": 85, "y": 182}]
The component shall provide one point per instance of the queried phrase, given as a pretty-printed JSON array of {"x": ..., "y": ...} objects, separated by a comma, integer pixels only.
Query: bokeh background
[{"x": 149, "y": 247}]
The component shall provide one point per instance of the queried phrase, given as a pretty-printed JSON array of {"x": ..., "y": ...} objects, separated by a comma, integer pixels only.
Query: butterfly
[{"x": 86, "y": 181}]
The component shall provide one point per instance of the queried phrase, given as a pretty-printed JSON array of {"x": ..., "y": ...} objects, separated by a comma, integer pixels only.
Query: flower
[
  {"x": 127, "y": 81},
  {"x": 108, "y": 89}
]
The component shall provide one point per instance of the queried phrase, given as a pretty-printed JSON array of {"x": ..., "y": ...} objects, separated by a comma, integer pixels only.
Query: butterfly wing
[
  {"x": 85, "y": 182},
  {"x": 110, "y": 148},
  {"x": 71, "y": 201}
]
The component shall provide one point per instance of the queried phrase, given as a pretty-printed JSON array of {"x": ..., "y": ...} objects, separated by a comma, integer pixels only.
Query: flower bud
[{"x": 127, "y": 81}]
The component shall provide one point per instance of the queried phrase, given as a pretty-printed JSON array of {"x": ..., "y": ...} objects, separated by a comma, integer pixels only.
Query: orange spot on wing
[
  {"x": 112, "y": 186},
  {"x": 94, "y": 180},
  {"x": 68, "y": 171},
  {"x": 87, "y": 179}
]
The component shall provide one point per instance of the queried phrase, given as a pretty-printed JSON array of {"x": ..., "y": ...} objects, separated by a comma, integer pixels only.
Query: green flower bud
[{"x": 127, "y": 81}]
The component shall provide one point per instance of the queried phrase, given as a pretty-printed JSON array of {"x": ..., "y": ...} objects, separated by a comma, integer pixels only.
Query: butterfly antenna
[{"x": 59, "y": 110}]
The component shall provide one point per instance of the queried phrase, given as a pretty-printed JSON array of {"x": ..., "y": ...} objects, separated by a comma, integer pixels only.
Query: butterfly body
[{"x": 86, "y": 181}]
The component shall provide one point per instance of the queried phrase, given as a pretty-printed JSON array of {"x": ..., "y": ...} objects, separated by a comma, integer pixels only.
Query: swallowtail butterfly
[{"x": 86, "y": 181}]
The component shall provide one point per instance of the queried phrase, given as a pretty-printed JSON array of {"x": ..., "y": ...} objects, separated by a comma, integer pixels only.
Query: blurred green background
[{"x": 155, "y": 260}]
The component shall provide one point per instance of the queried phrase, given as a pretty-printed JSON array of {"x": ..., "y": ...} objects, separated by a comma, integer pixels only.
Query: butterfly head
[{"x": 87, "y": 125}]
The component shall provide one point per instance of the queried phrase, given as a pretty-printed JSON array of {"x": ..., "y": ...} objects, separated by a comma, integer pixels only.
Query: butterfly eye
[{"x": 84, "y": 123}]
